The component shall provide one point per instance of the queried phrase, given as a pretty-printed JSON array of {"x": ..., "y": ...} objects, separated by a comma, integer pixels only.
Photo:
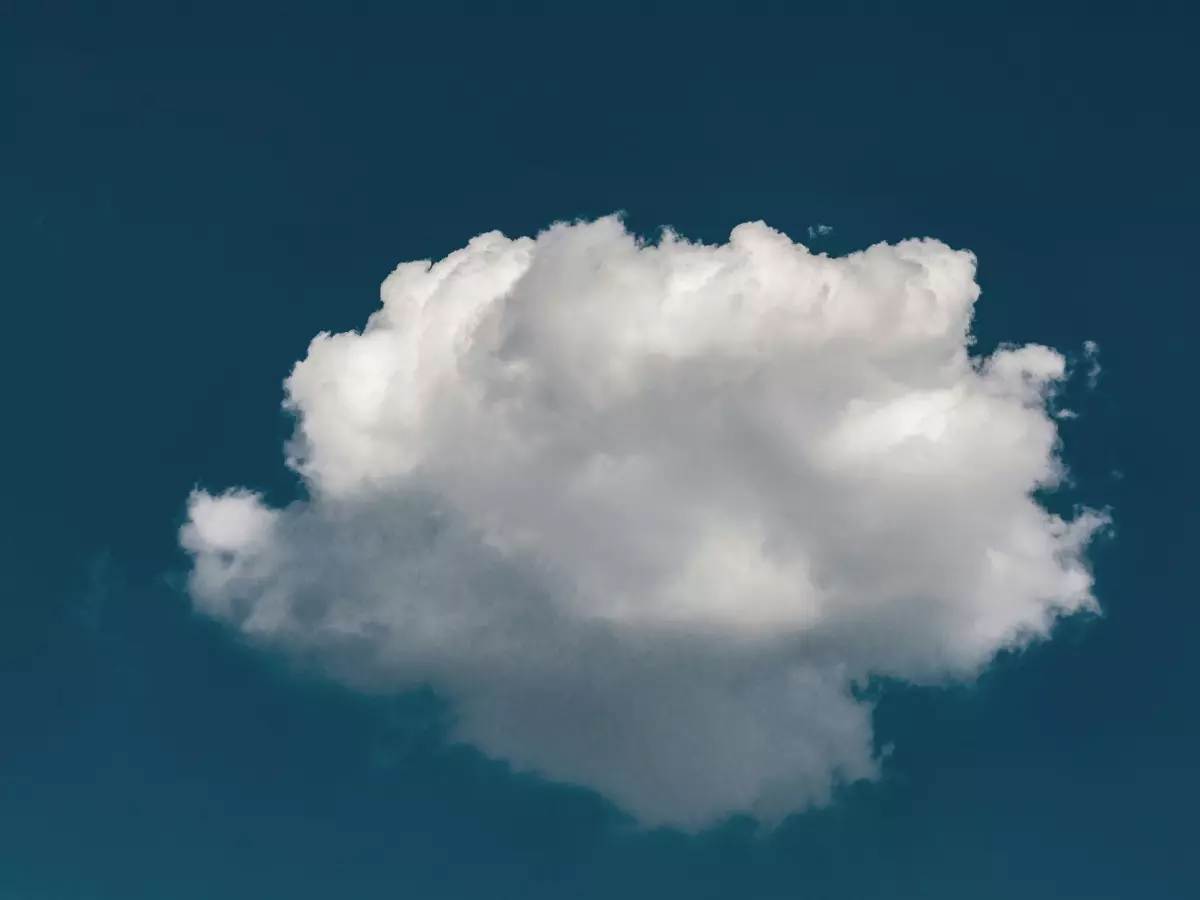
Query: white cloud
[
  {"x": 815, "y": 231},
  {"x": 645, "y": 513}
]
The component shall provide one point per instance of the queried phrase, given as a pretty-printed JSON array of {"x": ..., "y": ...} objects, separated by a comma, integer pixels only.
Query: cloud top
[{"x": 645, "y": 513}]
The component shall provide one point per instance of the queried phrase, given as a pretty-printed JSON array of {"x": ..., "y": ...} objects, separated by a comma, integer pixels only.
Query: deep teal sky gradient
[{"x": 187, "y": 198}]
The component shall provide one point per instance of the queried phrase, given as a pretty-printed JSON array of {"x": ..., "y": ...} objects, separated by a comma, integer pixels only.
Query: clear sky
[{"x": 187, "y": 199}]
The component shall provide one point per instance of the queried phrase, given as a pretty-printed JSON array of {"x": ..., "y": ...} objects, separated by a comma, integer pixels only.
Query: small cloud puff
[
  {"x": 816, "y": 231},
  {"x": 1091, "y": 352},
  {"x": 646, "y": 514}
]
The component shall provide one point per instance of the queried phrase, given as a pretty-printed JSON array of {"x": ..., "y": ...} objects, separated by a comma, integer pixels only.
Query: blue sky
[{"x": 185, "y": 202}]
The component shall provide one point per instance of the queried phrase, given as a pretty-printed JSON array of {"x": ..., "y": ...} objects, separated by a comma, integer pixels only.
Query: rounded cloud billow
[{"x": 646, "y": 513}]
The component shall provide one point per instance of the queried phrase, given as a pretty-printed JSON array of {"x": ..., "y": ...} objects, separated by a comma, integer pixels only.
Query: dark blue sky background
[{"x": 186, "y": 199}]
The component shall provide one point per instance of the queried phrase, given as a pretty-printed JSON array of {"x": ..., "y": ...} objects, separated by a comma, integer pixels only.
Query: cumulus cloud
[{"x": 647, "y": 513}]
